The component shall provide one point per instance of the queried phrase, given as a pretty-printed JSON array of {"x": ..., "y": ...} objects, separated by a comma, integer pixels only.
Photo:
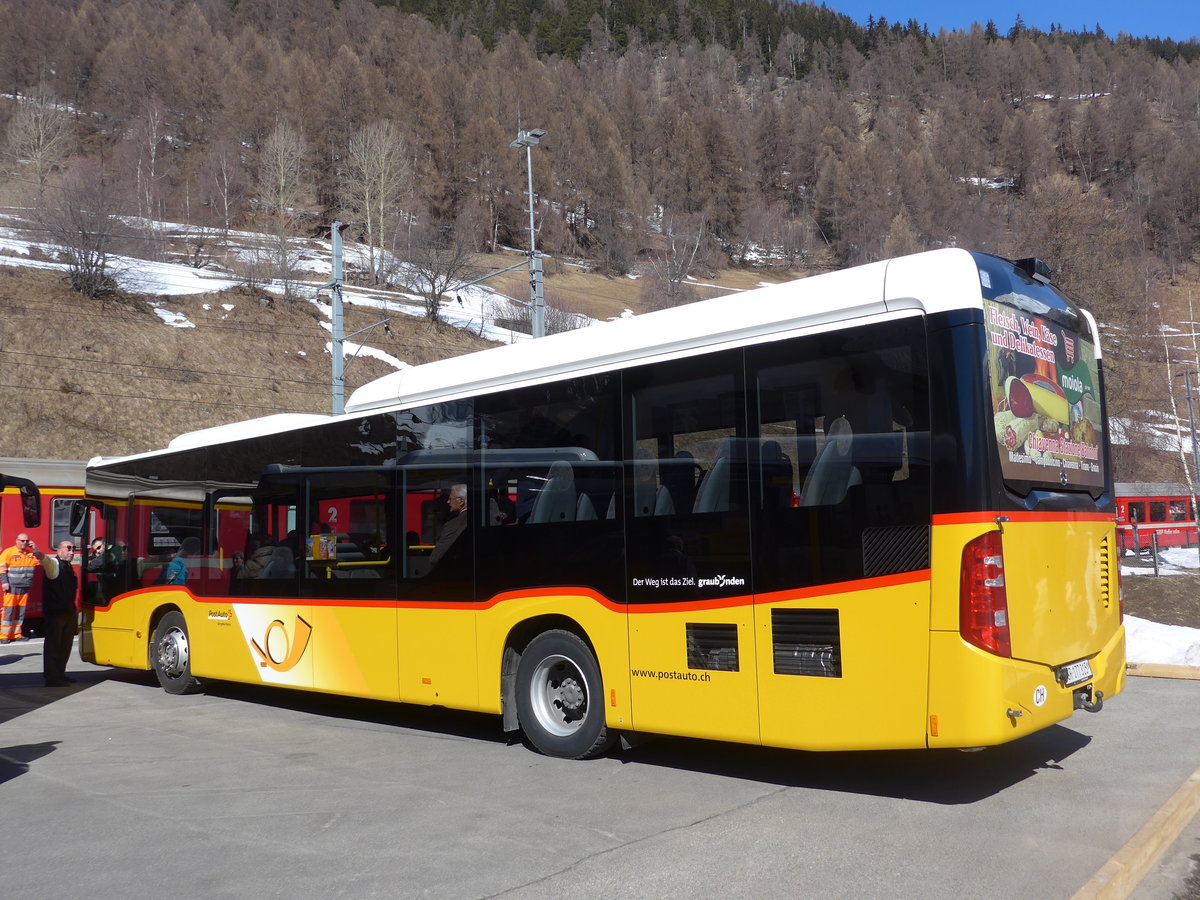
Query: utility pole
[
  {"x": 530, "y": 138},
  {"x": 339, "y": 339}
]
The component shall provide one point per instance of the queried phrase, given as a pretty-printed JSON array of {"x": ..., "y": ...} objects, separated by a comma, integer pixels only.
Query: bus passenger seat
[
  {"x": 555, "y": 502},
  {"x": 833, "y": 471},
  {"x": 713, "y": 493},
  {"x": 663, "y": 505},
  {"x": 585, "y": 511}
]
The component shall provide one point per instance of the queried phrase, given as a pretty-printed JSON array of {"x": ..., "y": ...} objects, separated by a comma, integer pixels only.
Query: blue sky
[{"x": 1179, "y": 19}]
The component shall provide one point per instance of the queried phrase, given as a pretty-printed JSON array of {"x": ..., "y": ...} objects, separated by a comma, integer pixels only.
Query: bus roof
[
  {"x": 934, "y": 281},
  {"x": 927, "y": 282}
]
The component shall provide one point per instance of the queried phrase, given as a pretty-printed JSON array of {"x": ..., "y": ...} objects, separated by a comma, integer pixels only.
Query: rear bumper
[{"x": 978, "y": 700}]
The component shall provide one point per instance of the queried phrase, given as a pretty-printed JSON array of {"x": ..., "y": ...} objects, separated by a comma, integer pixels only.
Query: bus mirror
[
  {"x": 31, "y": 508},
  {"x": 79, "y": 511},
  {"x": 31, "y": 499}
]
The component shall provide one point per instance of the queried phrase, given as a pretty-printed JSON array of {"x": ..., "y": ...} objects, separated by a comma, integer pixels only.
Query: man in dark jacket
[{"x": 61, "y": 617}]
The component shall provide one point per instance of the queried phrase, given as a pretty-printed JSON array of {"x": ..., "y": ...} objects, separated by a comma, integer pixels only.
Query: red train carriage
[{"x": 1150, "y": 511}]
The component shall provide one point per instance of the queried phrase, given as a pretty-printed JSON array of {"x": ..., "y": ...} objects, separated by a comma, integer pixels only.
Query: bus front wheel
[
  {"x": 560, "y": 699},
  {"x": 170, "y": 655}
]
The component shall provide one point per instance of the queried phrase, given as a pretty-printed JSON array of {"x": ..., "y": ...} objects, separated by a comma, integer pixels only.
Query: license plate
[{"x": 1074, "y": 673}]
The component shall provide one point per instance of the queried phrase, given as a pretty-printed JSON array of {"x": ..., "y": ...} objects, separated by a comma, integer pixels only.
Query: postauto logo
[{"x": 279, "y": 650}]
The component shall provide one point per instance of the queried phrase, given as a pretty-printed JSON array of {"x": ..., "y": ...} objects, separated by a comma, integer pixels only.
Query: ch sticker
[{"x": 282, "y": 652}]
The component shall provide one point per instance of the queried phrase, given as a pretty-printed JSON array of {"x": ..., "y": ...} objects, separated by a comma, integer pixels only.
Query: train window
[
  {"x": 1137, "y": 512},
  {"x": 1158, "y": 511},
  {"x": 1179, "y": 511}
]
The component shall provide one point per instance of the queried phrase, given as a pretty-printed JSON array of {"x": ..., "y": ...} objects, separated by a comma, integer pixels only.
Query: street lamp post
[
  {"x": 1187, "y": 384},
  {"x": 530, "y": 138}
]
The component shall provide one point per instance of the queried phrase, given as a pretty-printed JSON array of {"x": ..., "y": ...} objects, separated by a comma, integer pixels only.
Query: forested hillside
[{"x": 681, "y": 137}]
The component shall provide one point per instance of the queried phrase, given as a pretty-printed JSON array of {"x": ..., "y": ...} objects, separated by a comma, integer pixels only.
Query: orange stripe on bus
[
  {"x": 989, "y": 518},
  {"x": 563, "y": 591}
]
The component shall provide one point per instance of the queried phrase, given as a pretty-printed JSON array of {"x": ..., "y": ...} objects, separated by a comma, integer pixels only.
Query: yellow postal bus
[{"x": 868, "y": 509}]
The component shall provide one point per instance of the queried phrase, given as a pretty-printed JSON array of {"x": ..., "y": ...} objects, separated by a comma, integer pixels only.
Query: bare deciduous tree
[
  {"x": 378, "y": 172},
  {"x": 434, "y": 264},
  {"x": 82, "y": 218},
  {"x": 281, "y": 171},
  {"x": 669, "y": 266},
  {"x": 39, "y": 135}
]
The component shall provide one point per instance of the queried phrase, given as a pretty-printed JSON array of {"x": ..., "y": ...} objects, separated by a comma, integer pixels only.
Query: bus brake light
[{"x": 983, "y": 600}]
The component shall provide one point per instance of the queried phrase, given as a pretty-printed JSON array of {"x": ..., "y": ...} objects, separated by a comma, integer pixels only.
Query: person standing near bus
[
  {"x": 61, "y": 617},
  {"x": 18, "y": 564}
]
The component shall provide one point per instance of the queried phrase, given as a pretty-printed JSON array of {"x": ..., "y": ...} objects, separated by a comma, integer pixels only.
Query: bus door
[
  {"x": 347, "y": 568},
  {"x": 691, "y": 620},
  {"x": 257, "y": 532},
  {"x": 106, "y": 575},
  {"x": 433, "y": 549}
]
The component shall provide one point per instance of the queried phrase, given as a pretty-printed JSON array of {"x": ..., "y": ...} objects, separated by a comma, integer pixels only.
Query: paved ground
[{"x": 112, "y": 788}]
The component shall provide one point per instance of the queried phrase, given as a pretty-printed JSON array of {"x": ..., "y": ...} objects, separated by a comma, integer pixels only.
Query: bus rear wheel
[
  {"x": 560, "y": 698},
  {"x": 170, "y": 655}
]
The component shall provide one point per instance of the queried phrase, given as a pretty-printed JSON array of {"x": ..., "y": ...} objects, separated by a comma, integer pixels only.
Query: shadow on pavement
[
  {"x": 24, "y": 691},
  {"x": 15, "y": 761},
  {"x": 948, "y": 777}
]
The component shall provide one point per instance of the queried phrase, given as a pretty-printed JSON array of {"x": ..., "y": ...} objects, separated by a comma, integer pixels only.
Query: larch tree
[
  {"x": 281, "y": 173},
  {"x": 378, "y": 172},
  {"x": 39, "y": 136}
]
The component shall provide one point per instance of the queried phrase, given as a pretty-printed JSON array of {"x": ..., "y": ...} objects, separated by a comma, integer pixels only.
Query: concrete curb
[
  {"x": 1158, "y": 670},
  {"x": 1120, "y": 875}
]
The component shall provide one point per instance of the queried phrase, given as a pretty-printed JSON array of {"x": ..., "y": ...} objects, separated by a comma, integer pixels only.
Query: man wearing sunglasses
[
  {"x": 17, "y": 567},
  {"x": 61, "y": 617}
]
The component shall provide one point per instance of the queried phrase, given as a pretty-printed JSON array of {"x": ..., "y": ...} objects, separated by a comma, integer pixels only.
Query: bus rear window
[{"x": 1045, "y": 394}]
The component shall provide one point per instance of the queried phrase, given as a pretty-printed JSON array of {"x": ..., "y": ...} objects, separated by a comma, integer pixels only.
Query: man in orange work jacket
[{"x": 18, "y": 564}]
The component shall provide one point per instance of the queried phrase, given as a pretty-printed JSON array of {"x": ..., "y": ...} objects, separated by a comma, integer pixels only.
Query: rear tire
[
  {"x": 560, "y": 697},
  {"x": 171, "y": 657}
]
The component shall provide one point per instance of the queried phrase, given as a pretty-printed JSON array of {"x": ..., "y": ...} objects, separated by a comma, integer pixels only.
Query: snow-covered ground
[
  {"x": 473, "y": 307},
  {"x": 1150, "y": 642}
]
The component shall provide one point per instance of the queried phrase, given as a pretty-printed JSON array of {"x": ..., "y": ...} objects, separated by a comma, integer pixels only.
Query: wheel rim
[
  {"x": 558, "y": 693},
  {"x": 173, "y": 652}
]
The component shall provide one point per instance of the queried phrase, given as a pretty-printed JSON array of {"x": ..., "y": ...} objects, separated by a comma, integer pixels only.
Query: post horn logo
[{"x": 282, "y": 653}]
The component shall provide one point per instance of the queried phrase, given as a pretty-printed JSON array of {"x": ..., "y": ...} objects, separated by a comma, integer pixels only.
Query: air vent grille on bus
[
  {"x": 712, "y": 647},
  {"x": 1106, "y": 563},
  {"x": 807, "y": 642},
  {"x": 895, "y": 548}
]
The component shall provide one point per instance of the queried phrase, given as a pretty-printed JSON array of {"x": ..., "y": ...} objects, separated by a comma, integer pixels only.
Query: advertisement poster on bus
[{"x": 1045, "y": 396}]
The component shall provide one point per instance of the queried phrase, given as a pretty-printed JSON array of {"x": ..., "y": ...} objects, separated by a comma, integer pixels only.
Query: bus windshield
[{"x": 1045, "y": 393}]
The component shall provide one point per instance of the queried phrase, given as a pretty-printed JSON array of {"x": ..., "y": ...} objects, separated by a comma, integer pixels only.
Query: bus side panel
[
  {"x": 879, "y": 698},
  {"x": 714, "y": 696},
  {"x": 354, "y": 649},
  {"x": 436, "y": 658},
  {"x": 122, "y": 639},
  {"x": 252, "y": 642}
]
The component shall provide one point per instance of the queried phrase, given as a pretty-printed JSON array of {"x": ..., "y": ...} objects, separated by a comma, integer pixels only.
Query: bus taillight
[{"x": 983, "y": 600}]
